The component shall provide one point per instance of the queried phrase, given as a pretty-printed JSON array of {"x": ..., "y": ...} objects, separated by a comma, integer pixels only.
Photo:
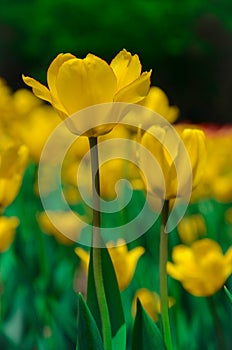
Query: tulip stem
[
  {"x": 163, "y": 277},
  {"x": 96, "y": 241}
]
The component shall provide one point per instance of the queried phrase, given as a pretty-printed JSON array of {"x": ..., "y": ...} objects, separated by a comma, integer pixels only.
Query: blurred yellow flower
[
  {"x": 191, "y": 228},
  {"x": 202, "y": 268},
  {"x": 150, "y": 301},
  {"x": 74, "y": 84},
  {"x": 65, "y": 220},
  {"x": 13, "y": 161},
  {"x": 118, "y": 168},
  {"x": 157, "y": 100},
  {"x": 24, "y": 101},
  {"x": 84, "y": 256},
  {"x": 7, "y": 231},
  {"x": 217, "y": 178},
  {"x": 194, "y": 142},
  {"x": 25, "y": 119},
  {"x": 124, "y": 261},
  {"x": 35, "y": 131},
  {"x": 222, "y": 188},
  {"x": 138, "y": 120}
]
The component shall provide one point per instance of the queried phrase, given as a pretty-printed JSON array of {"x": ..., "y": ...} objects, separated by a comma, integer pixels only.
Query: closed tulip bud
[
  {"x": 150, "y": 301},
  {"x": 7, "y": 231},
  {"x": 124, "y": 261},
  {"x": 189, "y": 147}
]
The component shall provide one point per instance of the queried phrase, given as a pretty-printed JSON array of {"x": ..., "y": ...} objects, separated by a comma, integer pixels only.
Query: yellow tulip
[
  {"x": 157, "y": 101},
  {"x": 40, "y": 118},
  {"x": 119, "y": 168},
  {"x": 13, "y": 161},
  {"x": 222, "y": 188},
  {"x": 124, "y": 261},
  {"x": 7, "y": 231},
  {"x": 24, "y": 102},
  {"x": 65, "y": 220},
  {"x": 191, "y": 228},
  {"x": 74, "y": 84},
  {"x": 84, "y": 256},
  {"x": 217, "y": 178},
  {"x": 150, "y": 301},
  {"x": 194, "y": 142},
  {"x": 202, "y": 268}
]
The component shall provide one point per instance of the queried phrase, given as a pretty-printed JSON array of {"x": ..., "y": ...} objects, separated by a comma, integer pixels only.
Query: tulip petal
[
  {"x": 174, "y": 272},
  {"x": 158, "y": 101},
  {"x": 181, "y": 171},
  {"x": 84, "y": 256},
  {"x": 52, "y": 76},
  {"x": 155, "y": 179},
  {"x": 39, "y": 89},
  {"x": 155, "y": 98},
  {"x": 134, "y": 255},
  {"x": 194, "y": 141},
  {"x": 205, "y": 246},
  {"x": 162, "y": 141},
  {"x": 136, "y": 91},
  {"x": 54, "y": 67},
  {"x": 201, "y": 268},
  {"x": 126, "y": 67},
  {"x": 181, "y": 254},
  {"x": 82, "y": 83}
]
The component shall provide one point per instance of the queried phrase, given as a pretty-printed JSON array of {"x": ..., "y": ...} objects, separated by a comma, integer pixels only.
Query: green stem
[
  {"x": 221, "y": 343},
  {"x": 163, "y": 277},
  {"x": 96, "y": 240}
]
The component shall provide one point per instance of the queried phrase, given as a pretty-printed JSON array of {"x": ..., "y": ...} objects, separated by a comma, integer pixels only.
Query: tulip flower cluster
[{"x": 144, "y": 290}]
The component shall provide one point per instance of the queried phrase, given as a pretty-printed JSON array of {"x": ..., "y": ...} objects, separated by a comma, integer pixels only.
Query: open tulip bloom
[
  {"x": 201, "y": 268},
  {"x": 74, "y": 83}
]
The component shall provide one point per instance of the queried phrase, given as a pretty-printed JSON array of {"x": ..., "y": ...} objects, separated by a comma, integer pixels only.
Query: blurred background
[{"x": 188, "y": 44}]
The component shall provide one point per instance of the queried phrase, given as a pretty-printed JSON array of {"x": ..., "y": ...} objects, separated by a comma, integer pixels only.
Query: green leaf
[
  {"x": 88, "y": 335},
  {"x": 6, "y": 343},
  {"x": 228, "y": 293},
  {"x": 119, "y": 340},
  {"x": 146, "y": 334},
  {"x": 113, "y": 298}
]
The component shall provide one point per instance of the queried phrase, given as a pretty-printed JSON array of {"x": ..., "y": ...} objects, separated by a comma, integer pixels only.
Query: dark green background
[{"x": 187, "y": 43}]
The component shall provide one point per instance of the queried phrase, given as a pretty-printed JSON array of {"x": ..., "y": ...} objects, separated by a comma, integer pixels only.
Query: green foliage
[
  {"x": 117, "y": 320},
  {"x": 88, "y": 335},
  {"x": 38, "y": 303},
  {"x": 146, "y": 334},
  {"x": 228, "y": 294}
]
